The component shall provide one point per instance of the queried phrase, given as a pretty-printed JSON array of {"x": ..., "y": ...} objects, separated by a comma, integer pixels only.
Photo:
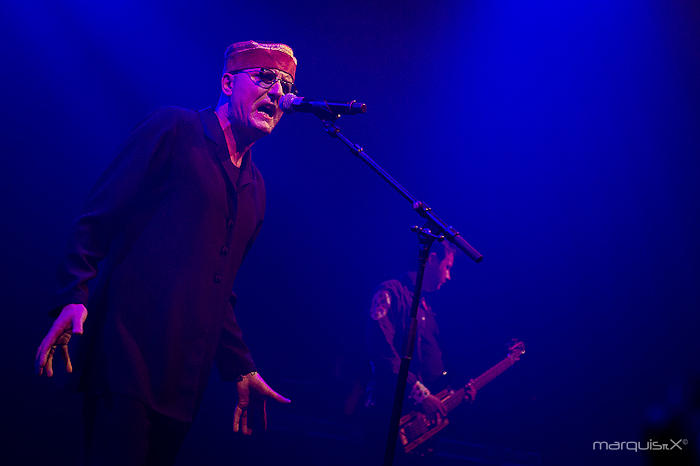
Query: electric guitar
[{"x": 415, "y": 428}]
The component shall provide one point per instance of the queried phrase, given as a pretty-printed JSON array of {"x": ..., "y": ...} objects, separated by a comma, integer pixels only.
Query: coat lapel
[{"x": 217, "y": 144}]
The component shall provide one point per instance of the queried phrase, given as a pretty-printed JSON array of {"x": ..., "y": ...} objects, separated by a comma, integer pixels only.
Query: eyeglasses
[{"x": 266, "y": 78}]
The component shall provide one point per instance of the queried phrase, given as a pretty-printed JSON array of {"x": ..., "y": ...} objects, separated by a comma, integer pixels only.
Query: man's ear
[
  {"x": 432, "y": 258},
  {"x": 227, "y": 84}
]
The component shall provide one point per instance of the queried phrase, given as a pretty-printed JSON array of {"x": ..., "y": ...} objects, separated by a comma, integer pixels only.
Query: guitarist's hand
[{"x": 433, "y": 408}]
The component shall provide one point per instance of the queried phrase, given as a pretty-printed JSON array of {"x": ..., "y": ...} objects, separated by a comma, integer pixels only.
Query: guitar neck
[
  {"x": 454, "y": 400},
  {"x": 479, "y": 382},
  {"x": 416, "y": 428},
  {"x": 451, "y": 401}
]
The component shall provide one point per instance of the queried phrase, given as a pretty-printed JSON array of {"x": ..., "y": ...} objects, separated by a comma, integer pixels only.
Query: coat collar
[{"x": 239, "y": 177}]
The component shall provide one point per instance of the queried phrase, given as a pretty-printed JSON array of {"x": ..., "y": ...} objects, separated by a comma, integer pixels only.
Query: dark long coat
[{"x": 169, "y": 223}]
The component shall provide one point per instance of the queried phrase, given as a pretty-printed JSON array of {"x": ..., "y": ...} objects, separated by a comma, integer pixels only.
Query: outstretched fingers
[
  {"x": 49, "y": 362},
  {"x": 240, "y": 420},
  {"x": 44, "y": 354},
  {"x": 66, "y": 357},
  {"x": 70, "y": 321},
  {"x": 263, "y": 388},
  {"x": 264, "y": 414},
  {"x": 276, "y": 396},
  {"x": 237, "y": 418},
  {"x": 40, "y": 360},
  {"x": 244, "y": 423}
]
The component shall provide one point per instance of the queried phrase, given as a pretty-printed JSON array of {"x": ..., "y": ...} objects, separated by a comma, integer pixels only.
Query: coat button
[
  {"x": 224, "y": 250},
  {"x": 218, "y": 277}
]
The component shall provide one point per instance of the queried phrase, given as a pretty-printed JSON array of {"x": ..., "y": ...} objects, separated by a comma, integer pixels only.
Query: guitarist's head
[{"x": 437, "y": 269}]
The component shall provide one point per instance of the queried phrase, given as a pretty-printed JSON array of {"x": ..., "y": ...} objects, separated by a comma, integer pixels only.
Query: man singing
[{"x": 164, "y": 232}]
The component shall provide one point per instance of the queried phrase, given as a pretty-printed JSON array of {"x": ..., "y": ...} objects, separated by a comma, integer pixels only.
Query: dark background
[{"x": 561, "y": 140}]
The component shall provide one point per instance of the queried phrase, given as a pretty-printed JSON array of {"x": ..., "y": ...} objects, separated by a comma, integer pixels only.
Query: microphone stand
[{"x": 433, "y": 229}]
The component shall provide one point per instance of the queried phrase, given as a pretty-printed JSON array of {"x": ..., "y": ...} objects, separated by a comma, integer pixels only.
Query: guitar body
[{"x": 415, "y": 428}]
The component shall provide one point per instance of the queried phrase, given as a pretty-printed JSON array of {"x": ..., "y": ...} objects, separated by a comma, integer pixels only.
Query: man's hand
[
  {"x": 68, "y": 322},
  {"x": 252, "y": 397},
  {"x": 433, "y": 408}
]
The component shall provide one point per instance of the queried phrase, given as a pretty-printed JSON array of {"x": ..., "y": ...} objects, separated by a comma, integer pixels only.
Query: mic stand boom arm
[
  {"x": 440, "y": 227},
  {"x": 434, "y": 228}
]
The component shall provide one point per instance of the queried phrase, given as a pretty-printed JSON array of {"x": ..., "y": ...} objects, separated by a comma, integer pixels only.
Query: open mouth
[{"x": 267, "y": 109}]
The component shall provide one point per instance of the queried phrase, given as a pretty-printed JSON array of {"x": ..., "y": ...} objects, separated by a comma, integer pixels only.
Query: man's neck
[
  {"x": 234, "y": 151},
  {"x": 428, "y": 285}
]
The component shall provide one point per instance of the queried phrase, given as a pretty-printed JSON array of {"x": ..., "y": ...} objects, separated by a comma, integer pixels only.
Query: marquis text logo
[{"x": 650, "y": 445}]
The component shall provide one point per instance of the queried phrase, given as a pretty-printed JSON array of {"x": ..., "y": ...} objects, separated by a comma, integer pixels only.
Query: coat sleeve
[
  {"x": 233, "y": 357},
  {"x": 138, "y": 165},
  {"x": 386, "y": 331}
]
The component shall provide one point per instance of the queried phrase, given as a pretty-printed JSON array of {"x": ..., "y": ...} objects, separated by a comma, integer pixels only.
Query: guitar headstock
[{"x": 515, "y": 350}]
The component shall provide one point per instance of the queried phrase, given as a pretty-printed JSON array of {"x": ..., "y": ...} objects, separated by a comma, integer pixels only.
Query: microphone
[{"x": 292, "y": 103}]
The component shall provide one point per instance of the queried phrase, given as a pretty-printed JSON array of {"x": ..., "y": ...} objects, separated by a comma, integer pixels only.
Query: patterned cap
[{"x": 251, "y": 54}]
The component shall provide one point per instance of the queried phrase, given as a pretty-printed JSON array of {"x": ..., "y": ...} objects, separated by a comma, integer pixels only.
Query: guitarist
[{"x": 386, "y": 338}]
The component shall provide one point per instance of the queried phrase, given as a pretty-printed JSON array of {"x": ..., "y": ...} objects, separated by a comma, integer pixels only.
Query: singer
[{"x": 164, "y": 231}]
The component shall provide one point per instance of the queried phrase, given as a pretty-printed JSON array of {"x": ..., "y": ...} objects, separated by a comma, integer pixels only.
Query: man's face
[
  {"x": 254, "y": 110},
  {"x": 437, "y": 272},
  {"x": 444, "y": 269}
]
